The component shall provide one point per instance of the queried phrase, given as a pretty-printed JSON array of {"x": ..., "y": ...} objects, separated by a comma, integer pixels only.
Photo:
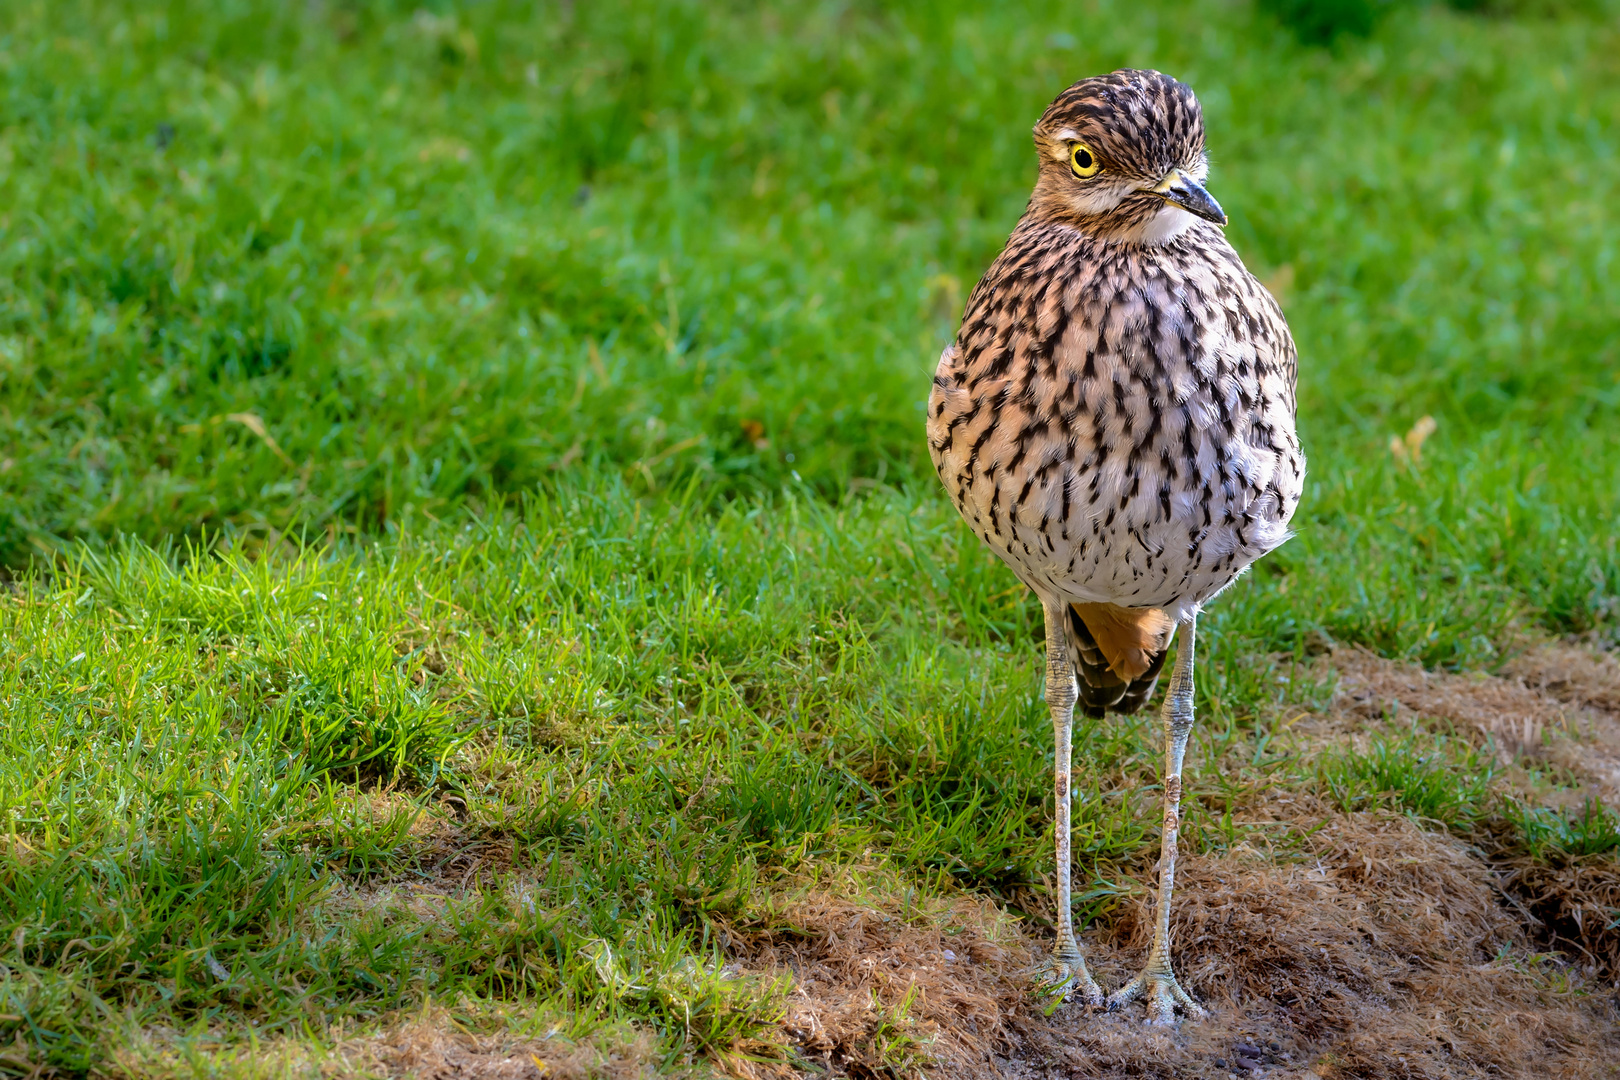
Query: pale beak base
[{"x": 1179, "y": 189}]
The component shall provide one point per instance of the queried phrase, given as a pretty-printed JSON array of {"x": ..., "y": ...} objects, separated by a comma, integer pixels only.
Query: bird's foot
[
  {"x": 1064, "y": 975},
  {"x": 1163, "y": 994}
]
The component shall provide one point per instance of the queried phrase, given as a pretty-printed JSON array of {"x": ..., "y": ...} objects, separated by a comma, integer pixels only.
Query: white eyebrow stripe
[{"x": 1060, "y": 152}]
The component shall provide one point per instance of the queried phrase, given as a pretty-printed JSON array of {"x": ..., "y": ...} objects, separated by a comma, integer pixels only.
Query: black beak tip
[
  {"x": 1192, "y": 198},
  {"x": 1204, "y": 205}
]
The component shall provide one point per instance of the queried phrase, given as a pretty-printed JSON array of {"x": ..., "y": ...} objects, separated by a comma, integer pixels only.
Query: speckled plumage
[{"x": 1115, "y": 419}]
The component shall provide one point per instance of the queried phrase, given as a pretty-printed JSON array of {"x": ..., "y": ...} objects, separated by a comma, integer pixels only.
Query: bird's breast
[{"x": 1120, "y": 433}]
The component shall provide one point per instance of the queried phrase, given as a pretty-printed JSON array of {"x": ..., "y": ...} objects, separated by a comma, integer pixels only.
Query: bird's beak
[{"x": 1179, "y": 189}]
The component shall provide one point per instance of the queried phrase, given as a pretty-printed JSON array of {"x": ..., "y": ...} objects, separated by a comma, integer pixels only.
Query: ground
[
  {"x": 476, "y": 601},
  {"x": 1364, "y": 944},
  {"x": 1375, "y": 948}
]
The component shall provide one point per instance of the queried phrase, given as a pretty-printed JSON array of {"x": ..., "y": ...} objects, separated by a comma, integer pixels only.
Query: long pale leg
[
  {"x": 1158, "y": 979},
  {"x": 1067, "y": 969}
]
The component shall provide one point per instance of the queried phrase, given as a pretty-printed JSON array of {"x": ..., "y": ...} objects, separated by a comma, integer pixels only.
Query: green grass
[
  {"x": 1440, "y": 778},
  {"x": 503, "y": 422},
  {"x": 1594, "y": 829},
  {"x": 650, "y": 708}
]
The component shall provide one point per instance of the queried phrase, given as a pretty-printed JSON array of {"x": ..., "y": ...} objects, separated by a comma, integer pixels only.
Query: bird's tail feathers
[{"x": 1118, "y": 653}]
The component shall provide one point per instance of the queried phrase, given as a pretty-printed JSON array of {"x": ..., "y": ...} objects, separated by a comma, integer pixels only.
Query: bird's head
[{"x": 1122, "y": 157}]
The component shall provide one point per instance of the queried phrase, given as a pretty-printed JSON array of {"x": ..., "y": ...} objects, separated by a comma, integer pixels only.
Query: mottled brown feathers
[
  {"x": 1115, "y": 418},
  {"x": 1129, "y": 638},
  {"x": 1139, "y": 125},
  {"x": 1100, "y": 688}
]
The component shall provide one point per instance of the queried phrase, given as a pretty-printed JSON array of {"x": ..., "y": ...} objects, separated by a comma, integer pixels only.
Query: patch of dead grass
[
  {"x": 436, "y": 1045},
  {"x": 1571, "y": 673},
  {"x": 1588, "y": 682},
  {"x": 1388, "y": 951},
  {"x": 1516, "y": 715},
  {"x": 470, "y": 1042},
  {"x": 1557, "y": 701},
  {"x": 1576, "y": 902},
  {"x": 882, "y": 984},
  {"x": 1568, "y": 696}
]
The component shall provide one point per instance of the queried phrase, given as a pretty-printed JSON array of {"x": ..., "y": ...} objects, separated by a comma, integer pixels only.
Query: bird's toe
[
  {"x": 1164, "y": 996},
  {"x": 1063, "y": 979}
]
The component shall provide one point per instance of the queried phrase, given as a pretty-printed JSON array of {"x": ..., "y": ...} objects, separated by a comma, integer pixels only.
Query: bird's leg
[
  {"x": 1067, "y": 969},
  {"x": 1158, "y": 979}
]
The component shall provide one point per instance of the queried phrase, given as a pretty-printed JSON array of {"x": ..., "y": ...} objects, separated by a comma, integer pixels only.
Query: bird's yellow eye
[{"x": 1083, "y": 161}]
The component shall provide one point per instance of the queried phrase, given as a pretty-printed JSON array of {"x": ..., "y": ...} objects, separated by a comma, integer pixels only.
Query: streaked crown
[
  {"x": 1143, "y": 123},
  {"x": 1122, "y": 155}
]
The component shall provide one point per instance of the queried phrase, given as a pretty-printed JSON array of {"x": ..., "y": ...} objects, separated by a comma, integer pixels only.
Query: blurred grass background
[{"x": 521, "y": 404}]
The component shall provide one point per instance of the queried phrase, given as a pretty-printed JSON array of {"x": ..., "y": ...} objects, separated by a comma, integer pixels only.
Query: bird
[{"x": 1116, "y": 420}]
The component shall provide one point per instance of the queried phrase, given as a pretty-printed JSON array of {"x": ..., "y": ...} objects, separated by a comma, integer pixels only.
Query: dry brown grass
[
  {"x": 436, "y": 1045},
  {"x": 1568, "y": 693},
  {"x": 1385, "y": 951},
  {"x": 470, "y": 1042},
  {"x": 1388, "y": 953},
  {"x": 1575, "y": 904},
  {"x": 1571, "y": 673},
  {"x": 881, "y": 983},
  {"x": 1517, "y": 715},
  {"x": 1567, "y": 697},
  {"x": 1588, "y": 683},
  {"x": 1557, "y": 701}
]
